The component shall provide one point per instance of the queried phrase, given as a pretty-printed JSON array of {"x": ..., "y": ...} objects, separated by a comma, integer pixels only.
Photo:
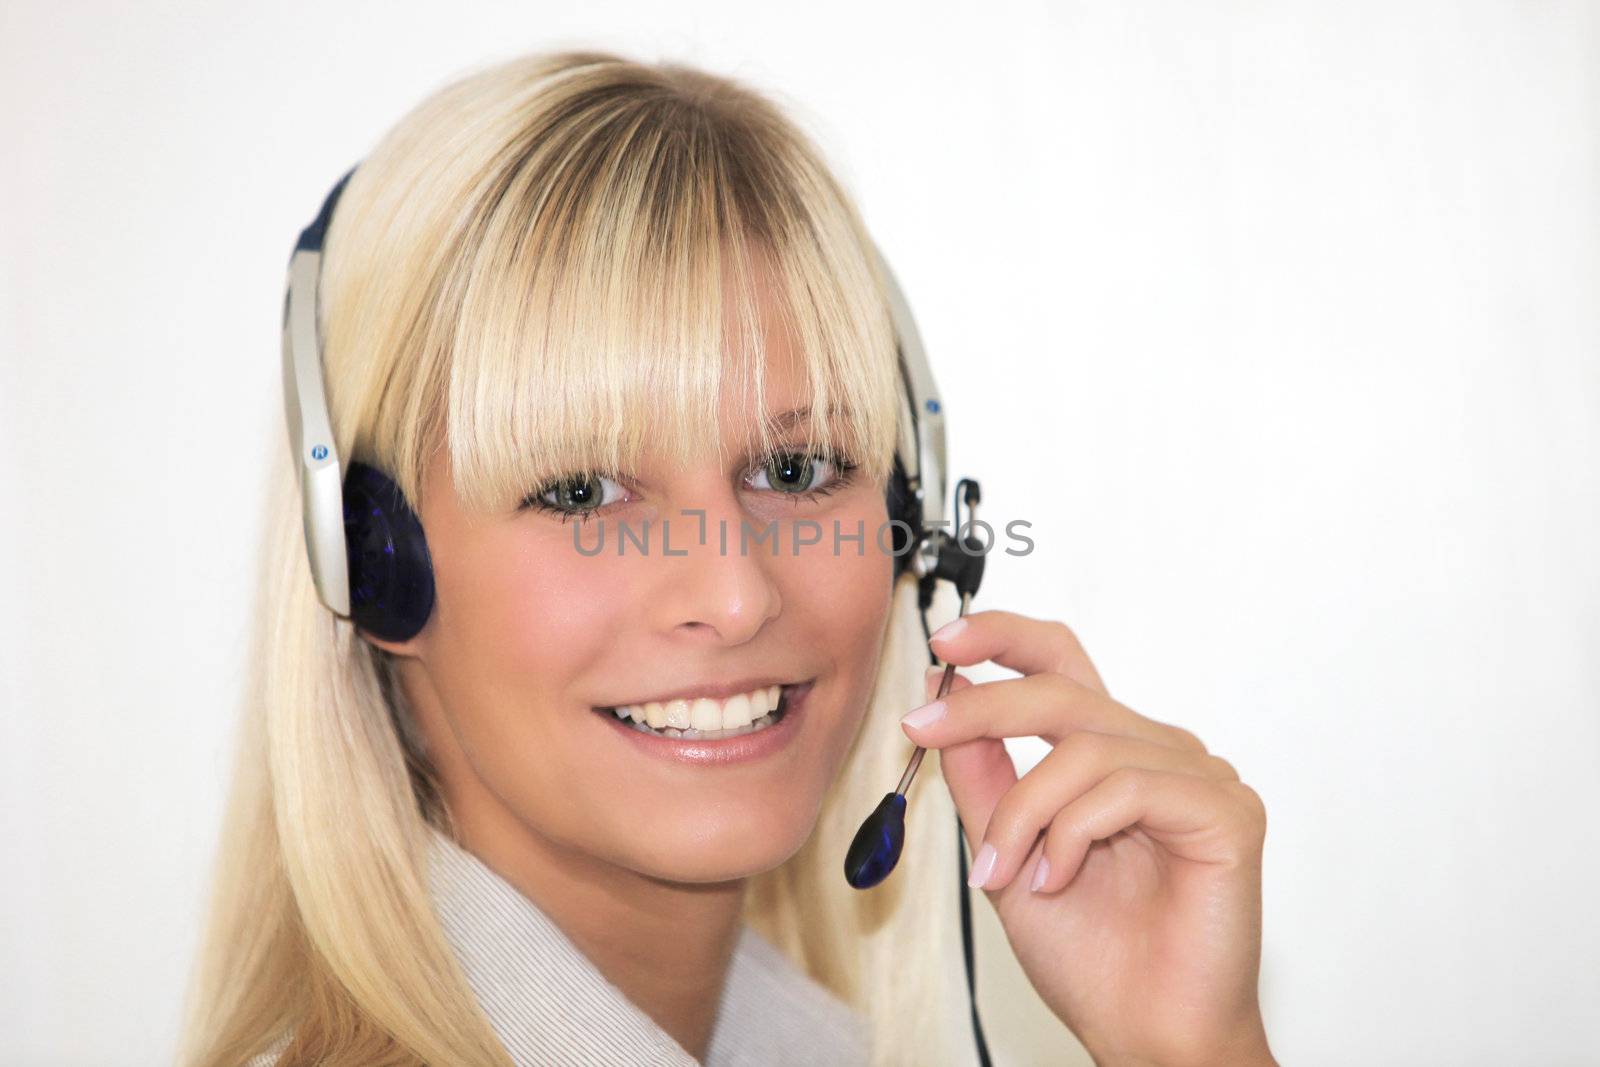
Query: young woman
[{"x": 571, "y": 292}]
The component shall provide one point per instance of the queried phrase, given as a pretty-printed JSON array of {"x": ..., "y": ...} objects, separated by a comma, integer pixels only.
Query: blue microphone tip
[{"x": 876, "y": 848}]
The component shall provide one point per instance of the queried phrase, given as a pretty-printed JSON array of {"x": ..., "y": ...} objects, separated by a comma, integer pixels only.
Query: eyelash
[{"x": 844, "y": 473}]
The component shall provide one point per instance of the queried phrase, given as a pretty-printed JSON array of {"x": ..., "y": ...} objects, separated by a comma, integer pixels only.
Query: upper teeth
[{"x": 705, "y": 713}]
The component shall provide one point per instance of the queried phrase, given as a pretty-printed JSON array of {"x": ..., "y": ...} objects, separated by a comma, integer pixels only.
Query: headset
[{"x": 369, "y": 557}]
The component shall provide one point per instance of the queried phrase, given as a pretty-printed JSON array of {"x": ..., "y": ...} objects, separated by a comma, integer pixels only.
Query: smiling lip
[
  {"x": 745, "y": 748},
  {"x": 711, "y": 690}
]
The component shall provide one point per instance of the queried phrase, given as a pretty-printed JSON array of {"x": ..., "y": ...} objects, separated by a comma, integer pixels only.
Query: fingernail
[
  {"x": 982, "y": 866},
  {"x": 948, "y": 630},
  {"x": 924, "y": 715},
  {"x": 1040, "y": 873}
]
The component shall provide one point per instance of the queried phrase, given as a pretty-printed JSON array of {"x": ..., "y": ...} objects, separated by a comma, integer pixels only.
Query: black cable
[
  {"x": 966, "y": 944},
  {"x": 963, "y": 892}
]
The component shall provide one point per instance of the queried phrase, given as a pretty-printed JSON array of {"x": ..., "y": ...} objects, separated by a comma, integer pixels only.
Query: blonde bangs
[{"x": 600, "y": 287}]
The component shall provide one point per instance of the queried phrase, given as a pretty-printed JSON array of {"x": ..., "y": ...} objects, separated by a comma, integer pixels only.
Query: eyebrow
[
  {"x": 788, "y": 418},
  {"x": 784, "y": 420}
]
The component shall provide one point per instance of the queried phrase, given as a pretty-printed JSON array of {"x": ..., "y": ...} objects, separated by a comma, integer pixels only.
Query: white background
[{"x": 1277, "y": 321}]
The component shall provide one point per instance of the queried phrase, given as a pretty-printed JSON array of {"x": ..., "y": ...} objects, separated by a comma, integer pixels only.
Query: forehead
[
  {"x": 659, "y": 367},
  {"x": 765, "y": 386},
  {"x": 770, "y": 346}
]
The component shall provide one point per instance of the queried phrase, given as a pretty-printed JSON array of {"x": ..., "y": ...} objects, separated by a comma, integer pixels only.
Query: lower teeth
[{"x": 704, "y": 735}]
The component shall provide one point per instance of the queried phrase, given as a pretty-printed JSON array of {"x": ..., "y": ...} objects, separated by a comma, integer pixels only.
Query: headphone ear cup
[
  {"x": 391, "y": 572},
  {"x": 903, "y": 506}
]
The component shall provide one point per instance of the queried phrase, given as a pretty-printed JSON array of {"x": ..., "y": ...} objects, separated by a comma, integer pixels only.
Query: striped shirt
[{"x": 550, "y": 1005}]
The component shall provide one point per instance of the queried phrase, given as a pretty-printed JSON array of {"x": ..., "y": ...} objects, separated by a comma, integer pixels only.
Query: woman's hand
[{"x": 1125, "y": 866}]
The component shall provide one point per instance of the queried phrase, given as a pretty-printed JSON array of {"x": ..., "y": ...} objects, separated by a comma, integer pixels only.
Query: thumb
[{"x": 977, "y": 772}]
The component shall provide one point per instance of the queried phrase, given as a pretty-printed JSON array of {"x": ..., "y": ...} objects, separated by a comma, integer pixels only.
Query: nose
[{"x": 714, "y": 591}]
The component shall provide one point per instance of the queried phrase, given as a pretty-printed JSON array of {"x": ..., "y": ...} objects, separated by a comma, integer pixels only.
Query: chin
[{"x": 725, "y": 846}]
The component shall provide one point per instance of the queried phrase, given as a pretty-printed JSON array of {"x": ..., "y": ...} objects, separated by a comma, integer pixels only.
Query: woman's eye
[
  {"x": 801, "y": 474},
  {"x": 577, "y": 495}
]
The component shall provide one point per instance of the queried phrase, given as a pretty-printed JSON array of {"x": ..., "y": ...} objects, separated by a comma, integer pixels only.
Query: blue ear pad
[
  {"x": 903, "y": 506},
  {"x": 391, "y": 573}
]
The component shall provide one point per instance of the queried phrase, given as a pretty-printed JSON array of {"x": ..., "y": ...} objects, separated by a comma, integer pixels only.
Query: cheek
[
  {"x": 836, "y": 596},
  {"x": 847, "y": 581},
  {"x": 524, "y": 617}
]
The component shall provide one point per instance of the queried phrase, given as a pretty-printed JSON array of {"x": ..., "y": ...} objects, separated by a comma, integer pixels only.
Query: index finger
[
  {"x": 1048, "y": 705},
  {"x": 1022, "y": 643}
]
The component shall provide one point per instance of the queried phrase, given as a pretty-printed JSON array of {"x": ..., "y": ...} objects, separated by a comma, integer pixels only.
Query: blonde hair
[{"x": 482, "y": 293}]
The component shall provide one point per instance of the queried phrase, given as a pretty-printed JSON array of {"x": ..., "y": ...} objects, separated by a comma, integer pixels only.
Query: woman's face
[{"x": 530, "y": 636}]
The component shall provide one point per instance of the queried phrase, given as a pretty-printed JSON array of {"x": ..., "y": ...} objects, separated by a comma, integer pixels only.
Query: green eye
[
  {"x": 790, "y": 472},
  {"x": 578, "y": 494},
  {"x": 801, "y": 475}
]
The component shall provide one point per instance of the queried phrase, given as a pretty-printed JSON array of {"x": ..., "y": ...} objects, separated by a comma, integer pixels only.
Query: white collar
[{"x": 549, "y": 1004}]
